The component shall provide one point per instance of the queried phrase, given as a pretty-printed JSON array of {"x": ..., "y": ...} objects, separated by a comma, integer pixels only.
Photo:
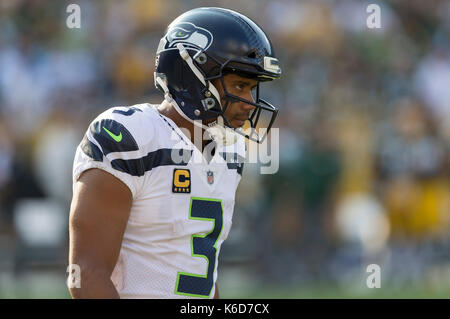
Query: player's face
[{"x": 237, "y": 112}]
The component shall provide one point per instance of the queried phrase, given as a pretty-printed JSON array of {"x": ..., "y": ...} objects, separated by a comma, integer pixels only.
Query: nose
[
  {"x": 247, "y": 107},
  {"x": 249, "y": 97}
]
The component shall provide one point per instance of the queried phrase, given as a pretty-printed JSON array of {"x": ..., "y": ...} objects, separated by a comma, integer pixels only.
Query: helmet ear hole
[{"x": 252, "y": 55}]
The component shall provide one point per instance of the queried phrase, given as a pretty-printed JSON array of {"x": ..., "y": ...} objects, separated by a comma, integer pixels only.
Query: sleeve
[{"x": 110, "y": 145}]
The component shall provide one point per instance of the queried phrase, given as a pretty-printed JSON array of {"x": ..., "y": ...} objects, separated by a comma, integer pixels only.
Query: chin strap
[{"x": 216, "y": 130}]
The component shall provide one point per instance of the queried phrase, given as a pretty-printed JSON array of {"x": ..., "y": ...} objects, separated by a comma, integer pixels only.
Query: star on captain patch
[{"x": 210, "y": 177}]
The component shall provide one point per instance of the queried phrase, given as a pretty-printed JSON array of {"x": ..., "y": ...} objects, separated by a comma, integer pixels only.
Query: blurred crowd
[{"x": 364, "y": 130}]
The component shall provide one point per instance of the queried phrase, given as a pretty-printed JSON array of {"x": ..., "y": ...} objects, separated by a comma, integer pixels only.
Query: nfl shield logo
[{"x": 210, "y": 177}]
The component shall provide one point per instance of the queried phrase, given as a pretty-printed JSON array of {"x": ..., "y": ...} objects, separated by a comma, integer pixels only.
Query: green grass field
[
  {"x": 232, "y": 286},
  {"x": 269, "y": 293}
]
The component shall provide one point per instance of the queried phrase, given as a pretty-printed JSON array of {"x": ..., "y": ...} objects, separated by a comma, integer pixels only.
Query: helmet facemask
[{"x": 261, "y": 117}]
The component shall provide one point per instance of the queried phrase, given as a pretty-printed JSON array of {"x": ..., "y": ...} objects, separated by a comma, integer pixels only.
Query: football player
[{"x": 150, "y": 210}]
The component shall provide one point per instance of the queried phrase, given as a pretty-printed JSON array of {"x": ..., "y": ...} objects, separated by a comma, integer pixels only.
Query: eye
[{"x": 239, "y": 87}]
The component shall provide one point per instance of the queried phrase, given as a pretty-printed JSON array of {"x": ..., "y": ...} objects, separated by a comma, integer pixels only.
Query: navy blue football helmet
[{"x": 205, "y": 44}]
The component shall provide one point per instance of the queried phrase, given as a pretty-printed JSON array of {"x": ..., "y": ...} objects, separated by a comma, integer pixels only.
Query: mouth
[{"x": 239, "y": 122}]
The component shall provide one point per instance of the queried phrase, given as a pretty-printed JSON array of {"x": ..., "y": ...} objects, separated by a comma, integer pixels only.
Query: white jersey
[{"x": 182, "y": 206}]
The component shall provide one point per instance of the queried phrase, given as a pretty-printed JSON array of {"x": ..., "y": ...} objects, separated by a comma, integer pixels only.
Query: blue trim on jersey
[
  {"x": 234, "y": 161},
  {"x": 237, "y": 166},
  {"x": 91, "y": 150},
  {"x": 161, "y": 157},
  {"x": 128, "y": 112}
]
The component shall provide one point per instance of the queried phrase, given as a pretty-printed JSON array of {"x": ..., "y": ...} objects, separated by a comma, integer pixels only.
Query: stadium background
[{"x": 364, "y": 142}]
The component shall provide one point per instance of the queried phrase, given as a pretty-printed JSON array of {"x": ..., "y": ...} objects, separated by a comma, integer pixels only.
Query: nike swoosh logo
[{"x": 115, "y": 137}]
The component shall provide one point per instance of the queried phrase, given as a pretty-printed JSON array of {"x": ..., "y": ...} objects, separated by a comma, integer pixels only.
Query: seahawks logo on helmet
[{"x": 188, "y": 34}]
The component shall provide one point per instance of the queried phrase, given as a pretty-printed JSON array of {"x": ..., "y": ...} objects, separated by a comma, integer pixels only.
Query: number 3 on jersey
[{"x": 203, "y": 246}]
